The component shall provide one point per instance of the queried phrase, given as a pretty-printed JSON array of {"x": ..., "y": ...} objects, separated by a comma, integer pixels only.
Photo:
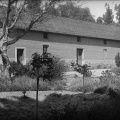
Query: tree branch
[
  {"x": 30, "y": 25},
  {"x": 2, "y": 36},
  {"x": 18, "y": 14},
  {"x": 7, "y": 16}
]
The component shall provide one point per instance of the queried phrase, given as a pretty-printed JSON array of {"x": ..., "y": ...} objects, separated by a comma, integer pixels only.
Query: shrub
[
  {"x": 18, "y": 69},
  {"x": 117, "y": 60},
  {"x": 101, "y": 90},
  {"x": 5, "y": 84},
  {"x": 58, "y": 67},
  {"x": 116, "y": 70}
]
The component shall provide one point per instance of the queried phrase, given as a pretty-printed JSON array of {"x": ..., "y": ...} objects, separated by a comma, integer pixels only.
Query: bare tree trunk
[
  {"x": 6, "y": 63},
  {"x": 37, "y": 98},
  {"x": 3, "y": 53}
]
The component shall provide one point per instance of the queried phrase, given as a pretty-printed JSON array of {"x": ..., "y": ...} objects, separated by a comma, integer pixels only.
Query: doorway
[
  {"x": 79, "y": 56},
  {"x": 20, "y": 55}
]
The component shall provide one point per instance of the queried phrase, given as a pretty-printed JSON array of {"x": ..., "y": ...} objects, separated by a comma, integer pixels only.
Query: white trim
[
  {"x": 83, "y": 62},
  {"x": 24, "y": 62}
]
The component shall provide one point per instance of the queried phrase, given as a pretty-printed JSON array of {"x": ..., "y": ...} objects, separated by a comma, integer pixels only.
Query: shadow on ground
[{"x": 61, "y": 107}]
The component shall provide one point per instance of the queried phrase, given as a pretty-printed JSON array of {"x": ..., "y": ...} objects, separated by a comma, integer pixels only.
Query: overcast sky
[{"x": 97, "y": 7}]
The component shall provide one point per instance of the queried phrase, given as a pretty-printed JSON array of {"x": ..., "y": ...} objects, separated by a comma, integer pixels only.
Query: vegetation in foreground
[
  {"x": 62, "y": 107},
  {"x": 103, "y": 106}
]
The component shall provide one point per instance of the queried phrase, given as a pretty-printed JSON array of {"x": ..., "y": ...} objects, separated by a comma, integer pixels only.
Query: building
[{"x": 69, "y": 39}]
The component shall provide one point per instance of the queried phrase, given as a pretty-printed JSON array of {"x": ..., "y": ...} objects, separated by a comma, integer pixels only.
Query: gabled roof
[
  {"x": 79, "y": 28},
  {"x": 76, "y": 27}
]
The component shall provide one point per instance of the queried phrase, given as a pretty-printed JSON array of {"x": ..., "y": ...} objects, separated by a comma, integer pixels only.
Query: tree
[
  {"x": 71, "y": 10},
  {"x": 99, "y": 20},
  {"x": 108, "y": 16},
  {"x": 117, "y": 9},
  {"x": 42, "y": 66},
  {"x": 11, "y": 13}
]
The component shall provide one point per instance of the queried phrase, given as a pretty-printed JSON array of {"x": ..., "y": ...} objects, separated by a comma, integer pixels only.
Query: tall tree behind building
[
  {"x": 117, "y": 9},
  {"x": 108, "y": 16},
  {"x": 71, "y": 10}
]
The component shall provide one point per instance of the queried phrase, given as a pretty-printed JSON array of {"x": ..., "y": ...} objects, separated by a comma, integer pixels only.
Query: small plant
[{"x": 83, "y": 69}]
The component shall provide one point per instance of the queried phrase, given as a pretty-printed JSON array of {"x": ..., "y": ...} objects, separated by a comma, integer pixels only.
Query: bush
[
  {"x": 18, "y": 69},
  {"x": 101, "y": 90},
  {"x": 116, "y": 70},
  {"x": 58, "y": 67},
  {"x": 117, "y": 60}
]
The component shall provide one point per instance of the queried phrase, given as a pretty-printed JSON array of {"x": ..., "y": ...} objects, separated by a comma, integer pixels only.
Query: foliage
[
  {"x": 83, "y": 69},
  {"x": 101, "y": 90},
  {"x": 18, "y": 69},
  {"x": 55, "y": 68},
  {"x": 108, "y": 16},
  {"x": 47, "y": 66},
  {"x": 62, "y": 106},
  {"x": 117, "y": 9},
  {"x": 23, "y": 83},
  {"x": 117, "y": 60},
  {"x": 89, "y": 86},
  {"x": 99, "y": 20},
  {"x": 71, "y": 10},
  {"x": 116, "y": 70}
]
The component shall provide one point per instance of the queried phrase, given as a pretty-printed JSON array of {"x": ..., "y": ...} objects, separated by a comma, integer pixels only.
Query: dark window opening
[
  {"x": 20, "y": 56},
  {"x": 78, "y": 39},
  {"x": 79, "y": 56},
  {"x": 105, "y": 42},
  {"x": 45, "y": 35},
  {"x": 45, "y": 47}
]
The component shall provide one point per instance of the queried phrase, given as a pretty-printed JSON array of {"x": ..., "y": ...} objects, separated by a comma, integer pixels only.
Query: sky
[{"x": 97, "y": 7}]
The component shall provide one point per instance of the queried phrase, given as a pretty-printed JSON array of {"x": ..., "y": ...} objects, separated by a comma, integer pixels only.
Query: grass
[
  {"x": 89, "y": 84},
  {"x": 27, "y": 84}
]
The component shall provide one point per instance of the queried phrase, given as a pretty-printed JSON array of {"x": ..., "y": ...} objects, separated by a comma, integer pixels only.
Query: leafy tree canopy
[
  {"x": 71, "y": 10},
  {"x": 117, "y": 9},
  {"x": 99, "y": 20},
  {"x": 108, "y": 16}
]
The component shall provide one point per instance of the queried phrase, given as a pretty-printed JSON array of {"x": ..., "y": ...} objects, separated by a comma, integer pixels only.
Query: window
[
  {"x": 45, "y": 47},
  {"x": 78, "y": 39},
  {"x": 45, "y": 35},
  {"x": 105, "y": 54},
  {"x": 20, "y": 55},
  {"x": 105, "y": 42},
  {"x": 79, "y": 56}
]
